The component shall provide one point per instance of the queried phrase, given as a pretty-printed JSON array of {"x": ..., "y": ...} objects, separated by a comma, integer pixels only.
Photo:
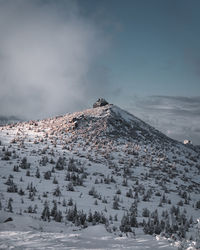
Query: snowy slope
[{"x": 101, "y": 166}]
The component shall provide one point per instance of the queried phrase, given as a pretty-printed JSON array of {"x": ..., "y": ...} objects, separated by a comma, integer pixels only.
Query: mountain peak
[{"x": 105, "y": 121}]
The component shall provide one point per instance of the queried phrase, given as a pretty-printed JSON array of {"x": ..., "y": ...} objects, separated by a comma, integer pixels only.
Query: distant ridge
[{"x": 9, "y": 119}]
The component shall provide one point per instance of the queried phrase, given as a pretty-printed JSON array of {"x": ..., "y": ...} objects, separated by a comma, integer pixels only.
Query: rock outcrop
[{"x": 100, "y": 102}]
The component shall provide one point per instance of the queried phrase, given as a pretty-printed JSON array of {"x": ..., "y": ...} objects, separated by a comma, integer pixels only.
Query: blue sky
[
  {"x": 142, "y": 55},
  {"x": 154, "y": 45}
]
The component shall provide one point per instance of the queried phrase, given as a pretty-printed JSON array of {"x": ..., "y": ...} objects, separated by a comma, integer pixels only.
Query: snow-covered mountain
[{"x": 95, "y": 168}]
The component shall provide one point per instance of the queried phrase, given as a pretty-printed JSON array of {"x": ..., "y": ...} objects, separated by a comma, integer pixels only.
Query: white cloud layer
[
  {"x": 178, "y": 116},
  {"x": 47, "y": 58}
]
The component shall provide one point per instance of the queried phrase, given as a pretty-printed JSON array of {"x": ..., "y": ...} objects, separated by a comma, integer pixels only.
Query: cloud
[
  {"x": 176, "y": 116},
  {"x": 48, "y": 54}
]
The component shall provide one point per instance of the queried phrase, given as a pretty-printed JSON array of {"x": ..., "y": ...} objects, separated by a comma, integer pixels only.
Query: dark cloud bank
[
  {"x": 47, "y": 58},
  {"x": 176, "y": 116}
]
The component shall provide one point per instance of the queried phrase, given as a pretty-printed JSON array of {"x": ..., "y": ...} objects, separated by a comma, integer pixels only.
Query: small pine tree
[
  {"x": 47, "y": 175},
  {"x": 198, "y": 204},
  {"x": 125, "y": 183},
  {"x": 55, "y": 180},
  {"x": 9, "y": 207},
  {"x": 27, "y": 173},
  {"x": 58, "y": 216},
  {"x": 30, "y": 209},
  {"x": 70, "y": 187},
  {"x": 90, "y": 217},
  {"x": 116, "y": 205},
  {"x": 70, "y": 202},
  {"x": 129, "y": 193},
  {"x": 35, "y": 209},
  {"x": 16, "y": 168},
  {"x": 57, "y": 192},
  {"x": 133, "y": 220},
  {"x": 21, "y": 192},
  {"x": 24, "y": 164},
  {"x": 60, "y": 163},
  {"x": 64, "y": 203},
  {"x": 54, "y": 209},
  {"x": 37, "y": 174},
  {"x": 125, "y": 224},
  {"x": 145, "y": 212},
  {"x": 118, "y": 191},
  {"x": 45, "y": 213},
  {"x": 197, "y": 236}
]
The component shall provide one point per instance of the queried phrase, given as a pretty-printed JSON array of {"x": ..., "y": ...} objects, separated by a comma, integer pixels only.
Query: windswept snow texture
[
  {"x": 25, "y": 233},
  {"x": 94, "y": 237},
  {"x": 96, "y": 179}
]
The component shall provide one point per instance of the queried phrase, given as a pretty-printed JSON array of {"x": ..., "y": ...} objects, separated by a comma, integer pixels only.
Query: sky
[{"x": 144, "y": 56}]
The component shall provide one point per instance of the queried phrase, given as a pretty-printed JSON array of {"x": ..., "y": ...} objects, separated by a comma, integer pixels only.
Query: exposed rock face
[{"x": 100, "y": 102}]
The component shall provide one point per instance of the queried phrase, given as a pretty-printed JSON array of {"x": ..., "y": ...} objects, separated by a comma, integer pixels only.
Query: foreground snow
[
  {"x": 25, "y": 232},
  {"x": 94, "y": 237}
]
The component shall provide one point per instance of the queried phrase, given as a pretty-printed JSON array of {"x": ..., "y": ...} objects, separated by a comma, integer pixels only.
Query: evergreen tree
[
  {"x": 197, "y": 236},
  {"x": 9, "y": 207},
  {"x": 57, "y": 191},
  {"x": 60, "y": 163},
  {"x": 54, "y": 209},
  {"x": 46, "y": 213},
  {"x": 64, "y": 203},
  {"x": 70, "y": 202},
  {"x": 125, "y": 224},
  {"x": 37, "y": 174},
  {"x": 133, "y": 220},
  {"x": 145, "y": 212},
  {"x": 58, "y": 216},
  {"x": 90, "y": 216},
  {"x": 116, "y": 205}
]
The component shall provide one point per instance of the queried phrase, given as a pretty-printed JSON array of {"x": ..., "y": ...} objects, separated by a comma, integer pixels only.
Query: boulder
[{"x": 8, "y": 219}]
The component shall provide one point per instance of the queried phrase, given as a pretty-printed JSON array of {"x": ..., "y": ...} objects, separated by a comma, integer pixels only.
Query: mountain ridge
[
  {"x": 114, "y": 115},
  {"x": 111, "y": 116}
]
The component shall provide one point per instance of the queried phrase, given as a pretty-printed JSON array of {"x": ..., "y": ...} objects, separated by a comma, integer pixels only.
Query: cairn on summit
[{"x": 100, "y": 102}]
